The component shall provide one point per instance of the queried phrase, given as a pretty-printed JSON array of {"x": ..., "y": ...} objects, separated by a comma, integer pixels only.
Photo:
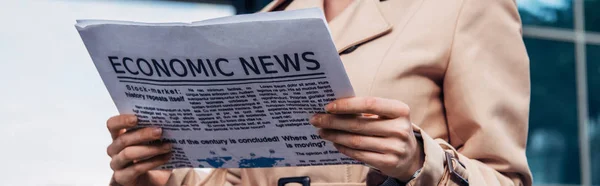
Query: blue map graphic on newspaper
[{"x": 252, "y": 161}]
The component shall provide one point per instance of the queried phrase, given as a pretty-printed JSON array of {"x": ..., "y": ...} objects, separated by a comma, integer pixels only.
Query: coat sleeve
[{"x": 486, "y": 93}]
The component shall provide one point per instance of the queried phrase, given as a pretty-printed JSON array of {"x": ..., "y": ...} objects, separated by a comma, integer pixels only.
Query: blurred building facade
[{"x": 563, "y": 42}]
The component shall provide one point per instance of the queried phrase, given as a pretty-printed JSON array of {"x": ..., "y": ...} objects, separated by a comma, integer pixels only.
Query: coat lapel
[{"x": 361, "y": 22}]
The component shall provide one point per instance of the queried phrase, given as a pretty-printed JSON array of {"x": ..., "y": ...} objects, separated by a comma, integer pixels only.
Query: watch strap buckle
[{"x": 304, "y": 180}]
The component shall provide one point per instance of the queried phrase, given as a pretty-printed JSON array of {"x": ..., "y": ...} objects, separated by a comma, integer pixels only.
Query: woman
[{"x": 442, "y": 99}]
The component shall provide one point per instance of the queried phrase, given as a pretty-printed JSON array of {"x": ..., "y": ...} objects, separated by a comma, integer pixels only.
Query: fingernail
[
  {"x": 368, "y": 115},
  {"x": 132, "y": 119},
  {"x": 315, "y": 119},
  {"x": 168, "y": 146},
  {"x": 322, "y": 133},
  {"x": 330, "y": 107},
  {"x": 157, "y": 131}
]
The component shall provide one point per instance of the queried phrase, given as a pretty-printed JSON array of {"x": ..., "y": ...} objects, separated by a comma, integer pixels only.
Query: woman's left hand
[{"x": 375, "y": 131}]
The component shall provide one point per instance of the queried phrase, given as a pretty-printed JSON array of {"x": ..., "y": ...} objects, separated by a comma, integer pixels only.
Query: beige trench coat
[{"x": 460, "y": 65}]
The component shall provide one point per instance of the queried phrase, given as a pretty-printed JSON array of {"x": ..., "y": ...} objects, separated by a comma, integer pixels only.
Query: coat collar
[{"x": 361, "y": 22}]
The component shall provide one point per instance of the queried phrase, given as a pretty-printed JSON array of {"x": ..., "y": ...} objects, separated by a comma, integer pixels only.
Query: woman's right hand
[{"x": 132, "y": 159}]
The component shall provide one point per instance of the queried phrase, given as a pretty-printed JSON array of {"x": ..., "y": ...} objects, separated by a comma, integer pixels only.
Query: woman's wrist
[{"x": 419, "y": 158}]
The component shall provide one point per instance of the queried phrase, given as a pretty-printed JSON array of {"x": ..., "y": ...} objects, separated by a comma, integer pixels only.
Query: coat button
[{"x": 349, "y": 50}]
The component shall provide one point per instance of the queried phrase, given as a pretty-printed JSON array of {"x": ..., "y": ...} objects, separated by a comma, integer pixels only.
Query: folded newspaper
[{"x": 228, "y": 92}]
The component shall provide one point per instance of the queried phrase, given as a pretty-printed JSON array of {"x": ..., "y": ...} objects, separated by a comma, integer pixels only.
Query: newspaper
[{"x": 233, "y": 92}]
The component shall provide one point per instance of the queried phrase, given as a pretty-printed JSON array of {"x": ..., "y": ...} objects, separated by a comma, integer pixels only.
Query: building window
[
  {"x": 553, "y": 145},
  {"x": 592, "y": 15},
  {"x": 593, "y": 82},
  {"x": 549, "y": 13}
]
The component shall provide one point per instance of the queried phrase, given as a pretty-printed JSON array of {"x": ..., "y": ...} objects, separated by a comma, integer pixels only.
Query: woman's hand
[
  {"x": 375, "y": 131},
  {"x": 133, "y": 160}
]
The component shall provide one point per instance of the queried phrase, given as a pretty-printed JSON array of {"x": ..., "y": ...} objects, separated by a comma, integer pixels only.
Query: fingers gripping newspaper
[{"x": 228, "y": 92}]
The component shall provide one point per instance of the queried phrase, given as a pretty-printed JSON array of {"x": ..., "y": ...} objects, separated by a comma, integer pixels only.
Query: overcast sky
[{"x": 53, "y": 105}]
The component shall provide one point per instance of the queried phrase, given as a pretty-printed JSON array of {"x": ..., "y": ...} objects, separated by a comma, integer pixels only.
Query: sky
[{"x": 53, "y": 105}]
